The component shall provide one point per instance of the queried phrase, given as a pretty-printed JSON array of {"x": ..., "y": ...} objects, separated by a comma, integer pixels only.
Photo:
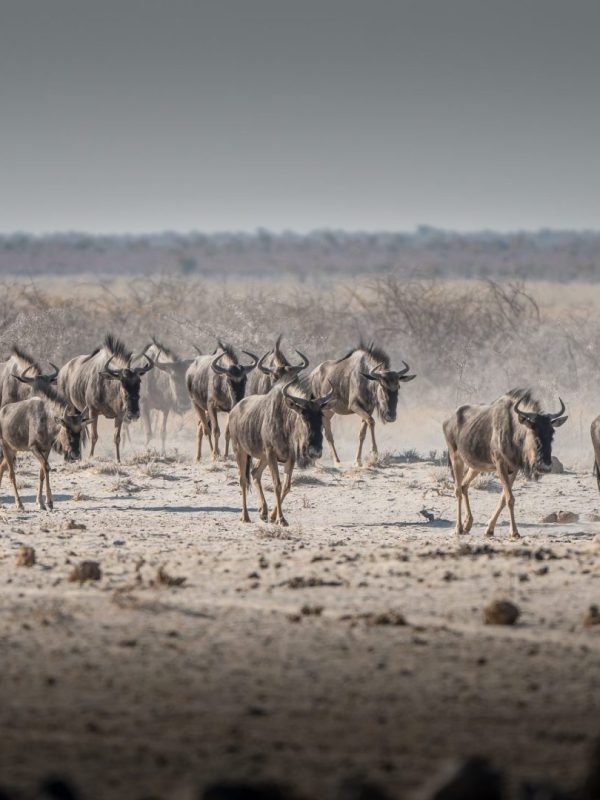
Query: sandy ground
[{"x": 261, "y": 665}]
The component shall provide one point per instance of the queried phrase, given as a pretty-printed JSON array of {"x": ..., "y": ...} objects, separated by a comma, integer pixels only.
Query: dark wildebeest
[
  {"x": 509, "y": 435},
  {"x": 595, "y": 433},
  {"x": 107, "y": 384},
  {"x": 279, "y": 427},
  {"x": 362, "y": 381},
  {"x": 21, "y": 363},
  {"x": 165, "y": 389},
  {"x": 36, "y": 424},
  {"x": 215, "y": 384},
  {"x": 273, "y": 367}
]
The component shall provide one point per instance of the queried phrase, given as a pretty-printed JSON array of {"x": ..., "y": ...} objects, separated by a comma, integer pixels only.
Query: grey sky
[{"x": 140, "y": 115}]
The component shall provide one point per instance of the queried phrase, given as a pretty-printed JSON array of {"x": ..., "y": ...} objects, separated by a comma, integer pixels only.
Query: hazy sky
[{"x": 141, "y": 115}]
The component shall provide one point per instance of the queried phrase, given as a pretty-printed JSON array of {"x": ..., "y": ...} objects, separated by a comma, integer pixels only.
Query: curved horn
[
  {"x": 299, "y": 401},
  {"x": 216, "y": 367},
  {"x": 147, "y": 368},
  {"x": 402, "y": 372},
  {"x": 249, "y": 367},
  {"x": 326, "y": 398},
  {"x": 115, "y": 373},
  {"x": 374, "y": 373},
  {"x": 261, "y": 364},
  {"x": 22, "y": 377},
  {"x": 560, "y": 413},
  {"x": 197, "y": 349},
  {"x": 530, "y": 415},
  {"x": 277, "y": 348},
  {"x": 53, "y": 375},
  {"x": 304, "y": 363}
]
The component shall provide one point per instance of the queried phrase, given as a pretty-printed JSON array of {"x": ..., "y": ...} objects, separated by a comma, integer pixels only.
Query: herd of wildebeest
[{"x": 277, "y": 413}]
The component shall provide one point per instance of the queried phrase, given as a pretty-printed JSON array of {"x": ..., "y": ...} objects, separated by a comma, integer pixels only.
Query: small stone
[
  {"x": 592, "y": 616},
  {"x": 26, "y": 556},
  {"x": 567, "y": 516},
  {"x": 86, "y": 571},
  {"x": 557, "y": 466},
  {"x": 552, "y": 517},
  {"x": 501, "y": 612}
]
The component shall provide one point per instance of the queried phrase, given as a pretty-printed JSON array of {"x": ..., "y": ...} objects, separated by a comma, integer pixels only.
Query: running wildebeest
[
  {"x": 36, "y": 424},
  {"x": 215, "y": 384},
  {"x": 276, "y": 428},
  {"x": 165, "y": 389},
  {"x": 272, "y": 367},
  {"x": 362, "y": 381},
  {"x": 21, "y": 363},
  {"x": 107, "y": 384},
  {"x": 509, "y": 435}
]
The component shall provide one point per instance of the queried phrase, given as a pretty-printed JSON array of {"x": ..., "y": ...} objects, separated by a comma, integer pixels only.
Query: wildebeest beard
[{"x": 386, "y": 410}]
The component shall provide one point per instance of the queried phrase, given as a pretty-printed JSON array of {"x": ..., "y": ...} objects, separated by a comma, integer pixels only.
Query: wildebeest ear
[
  {"x": 556, "y": 423},
  {"x": 407, "y": 377},
  {"x": 525, "y": 420},
  {"x": 367, "y": 376}
]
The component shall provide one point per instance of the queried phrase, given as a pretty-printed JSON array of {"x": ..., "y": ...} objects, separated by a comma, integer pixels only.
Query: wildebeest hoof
[
  {"x": 489, "y": 532},
  {"x": 245, "y": 518},
  {"x": 458, "y": 531},
  {"x": 468, "y": 525},
  {"x": 264, "y": 515},
  {"x": 41, "y": 506},
  {"x": 283, "y": 522},
  {"x": 515, "y": 535}
]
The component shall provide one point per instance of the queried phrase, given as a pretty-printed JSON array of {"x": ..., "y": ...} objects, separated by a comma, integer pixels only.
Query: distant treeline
[{"x": 428, "y": 252}]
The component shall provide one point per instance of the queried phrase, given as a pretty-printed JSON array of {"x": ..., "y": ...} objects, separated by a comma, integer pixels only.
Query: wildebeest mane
[
  {"x": 44, "y": 389},
  {"x": 528, "y": 401},
  {"x": 228, "y": 350},
  {"x": 117, "y": 348},
  {"x": 375, "y": 354},
  {"x": 25, "y": 359},
  {"x": 170, "y": 354}
]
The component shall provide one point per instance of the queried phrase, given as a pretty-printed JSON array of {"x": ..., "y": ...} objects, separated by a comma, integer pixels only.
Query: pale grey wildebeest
[
  {"x": 362, "y": 382},
  {"x": 216, "y": 383},
  {"x": 36, "y": 424},
  {"x": 284, "y": 426},
  {"x": 273, "y": 367},
  {"x": 512, "y": 434},
  {"x": 165, "y": 388},
  {"x": 21, "y": 363},
  {"x": 106, "y": 382}
]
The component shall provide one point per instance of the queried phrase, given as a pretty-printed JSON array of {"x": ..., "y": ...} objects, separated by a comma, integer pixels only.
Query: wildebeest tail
[{"x": 249, "y": 472}]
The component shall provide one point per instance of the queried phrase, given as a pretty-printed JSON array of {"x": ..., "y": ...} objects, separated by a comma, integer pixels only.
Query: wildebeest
[
  {"x": 511, "y": 434},
  {"x": 216, "y": 383},
  {"x": 279, "y": 427},
  {"x": 35, "y": 424},
  {"x": 107, "y": 384},
  {"x": 21, "y": 363},
  {"x": 165, "y": 389},
  {"x": 362, "y": 381},
  {"x": 272, "y": 367},
  {"x": 595, "y": 433}
]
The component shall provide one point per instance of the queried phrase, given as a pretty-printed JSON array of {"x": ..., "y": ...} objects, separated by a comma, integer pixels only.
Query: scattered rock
[
  {"x": 557, "y": 466},
  {"x": 164, "y": 579},
  {"x": 311, "y": 611},
  {"x": 25, "y": 556},
  {"x": 592, "y": 616},
  {"x": 308, "y": 583},
  {"x": 593, "y": 517},
  {"x": 380, "y": 618},
  {"x": 567, "y": 516},
  {"x": 552, "y": 517},
  {"x": 429, "y": 516},
  {"x": 86, "y": 571},
  {"x": 75, "y": 526},
  {"x": 473, "y": 779},
  {"x": 501, "y": 612}
]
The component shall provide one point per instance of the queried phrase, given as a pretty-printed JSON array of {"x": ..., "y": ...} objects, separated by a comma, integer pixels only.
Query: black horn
[
  {"x": 560, "y": 413},
  {"x": 111, "y": 373},
  {"x": 322, "y": 401},
  {"x": 402, "y": 372},
  {"x": 249, "y": 367},
  {"x": 216, "y": 367},
  {"x": 261, "y": 364},
  {"x": 304, "y": 363},
  {"x": 302, "y": 402},
  {"x": 147, "y": 368},
  {"x": 23, "y": 377},
  {"x": 530, "y": 415}
]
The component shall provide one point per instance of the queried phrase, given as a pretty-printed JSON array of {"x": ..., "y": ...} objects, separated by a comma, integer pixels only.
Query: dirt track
[{"x": 140, "y": 690}]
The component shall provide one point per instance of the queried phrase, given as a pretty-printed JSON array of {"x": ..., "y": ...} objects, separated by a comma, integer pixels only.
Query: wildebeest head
[
  {"x": 72, "y": 425},
  {"x": 278, "y": 370},
  {"x": 49, "y": 377},
  {"x": 236, "y": 374},
  {"x": 537, "y": 449},
  {"x": 130, "y": 380},
  {"x": 309, "y": 445},
  {"x": 175, "y": 372},
  {"x": 388, "y": 386}
]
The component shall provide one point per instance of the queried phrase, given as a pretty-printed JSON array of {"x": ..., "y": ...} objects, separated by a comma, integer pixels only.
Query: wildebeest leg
[
  {"x": 201, "y": 429},
  {"x": 227, "y": 439},
  {"x": 507, "y": 482},
  {"x": 287, "y": 483},
  {"x": 256, "y": 473},
  {"x": 329, "y": 437},
  {"x": 242, "y": 462},
  {"x": 469, "y": 478},
  {"x": 163, "y": 432},
  {"x": 274, "y": 467},
  {"x": 367, "y": 422},
  {"x": 117, "y": 438},
  {"x": 147, "y": 422},
  {"x": 213, "y": 418},
  {"x": 94, "y": 436},
  {"x": 458, "y": 470},
  {"x": 3, "y": 466},
  {"x": 9, "y": 457},
  {"x": 44, "y": 476}
]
